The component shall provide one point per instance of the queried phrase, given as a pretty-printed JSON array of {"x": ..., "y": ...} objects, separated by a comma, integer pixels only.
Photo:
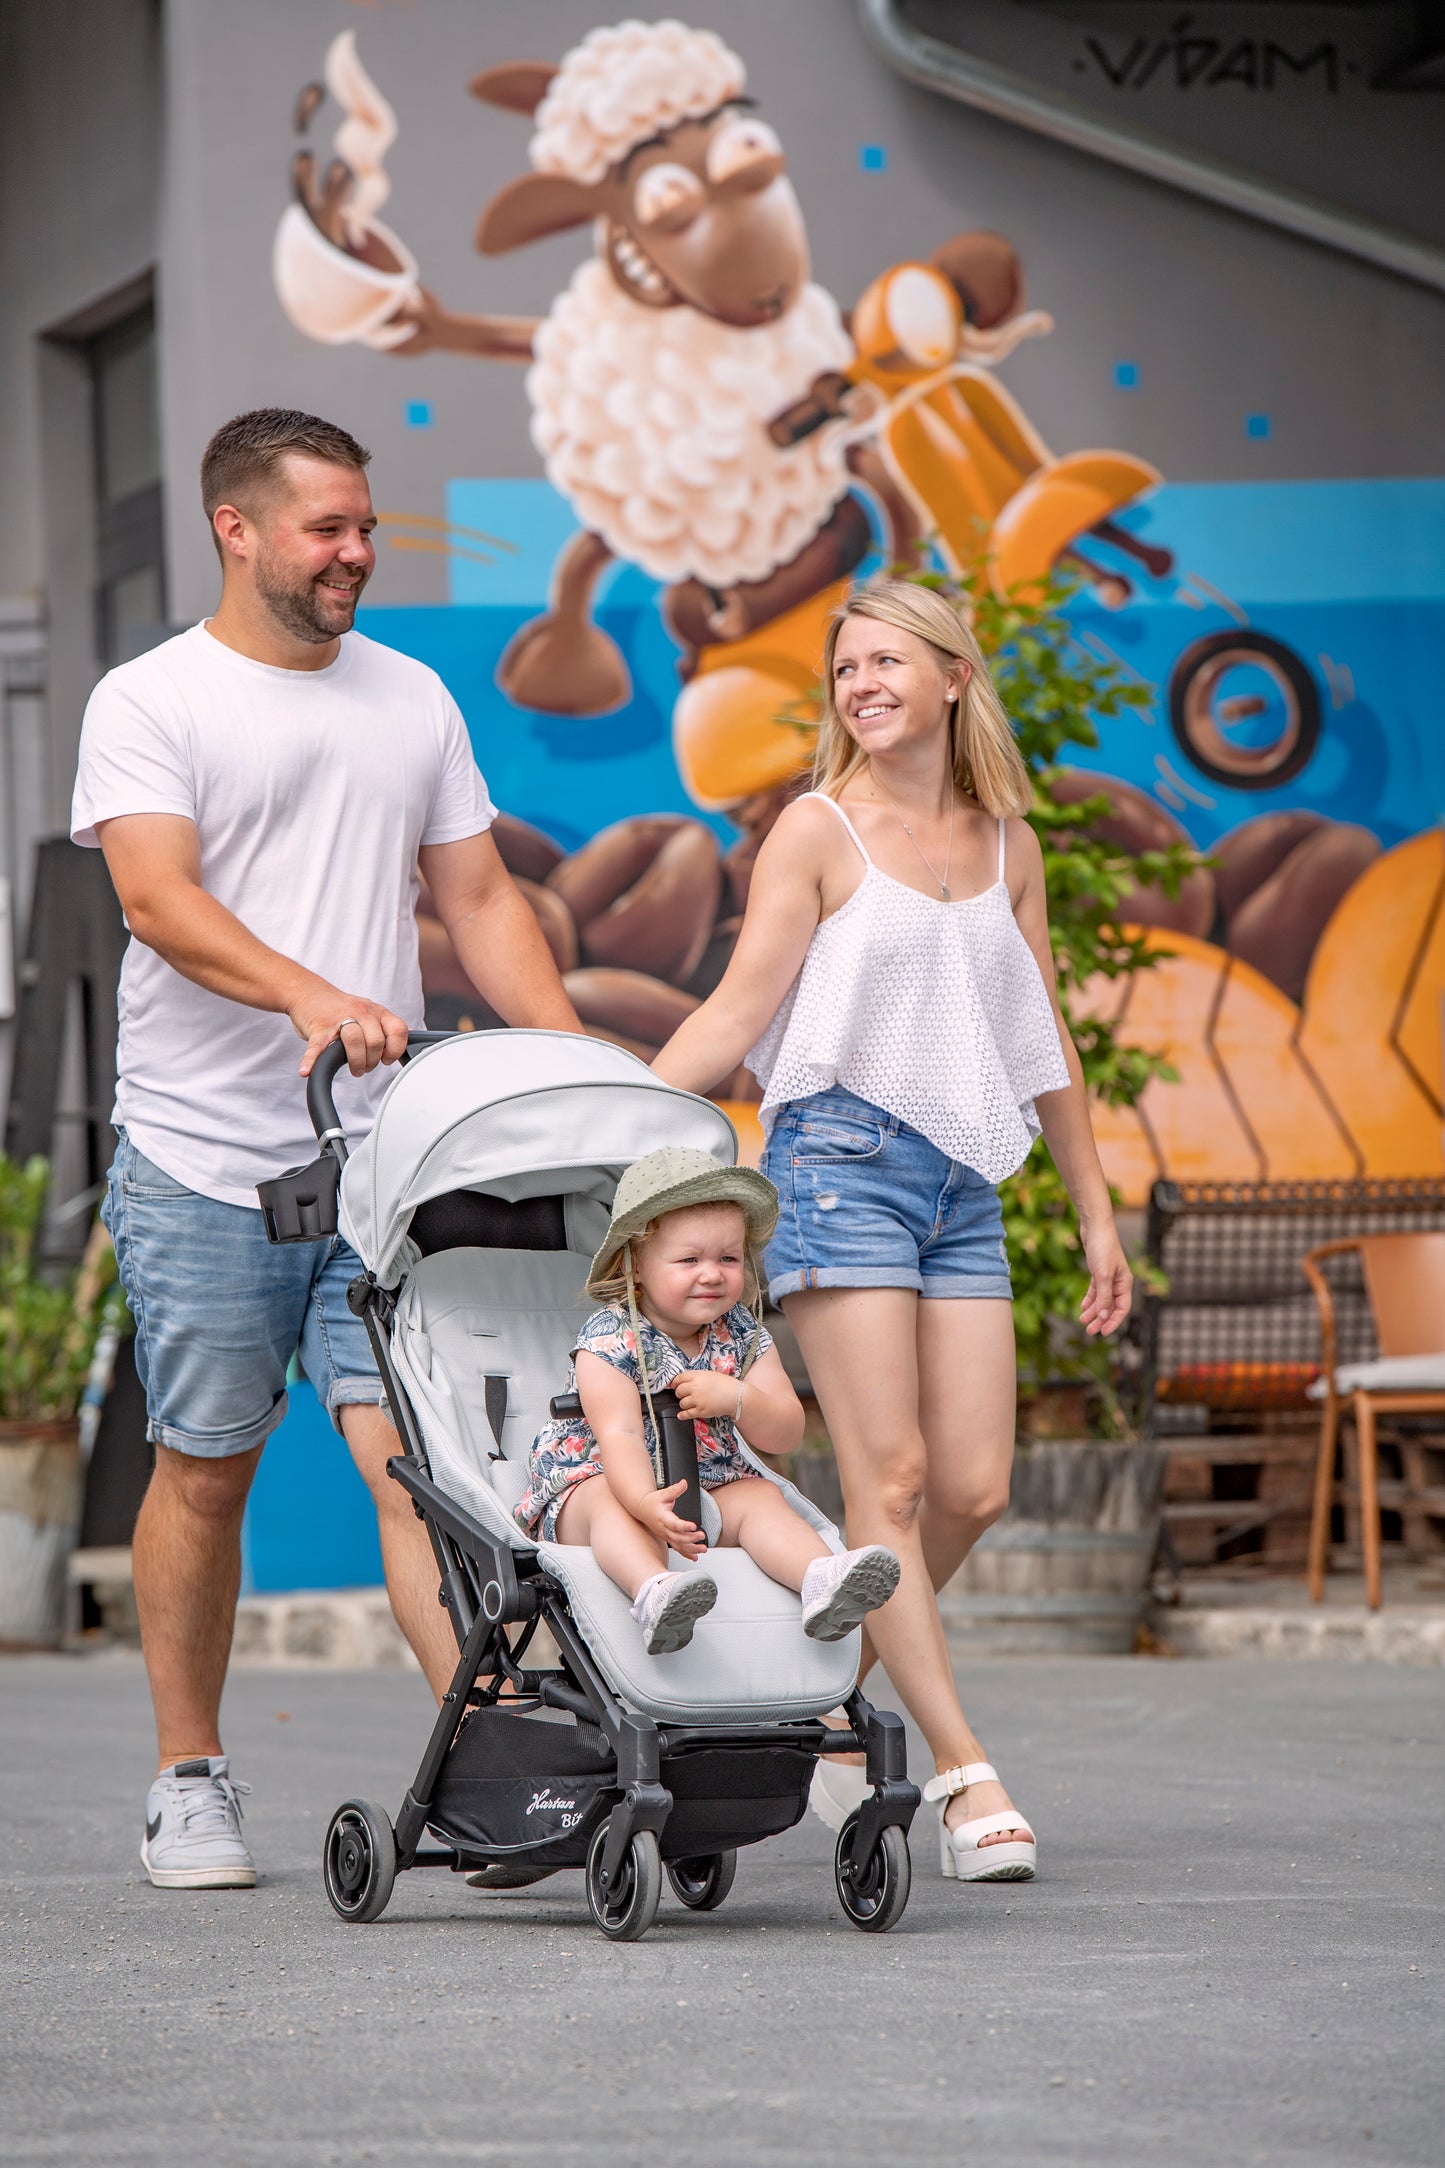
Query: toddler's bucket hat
[{"x": 669, "y": 1181}]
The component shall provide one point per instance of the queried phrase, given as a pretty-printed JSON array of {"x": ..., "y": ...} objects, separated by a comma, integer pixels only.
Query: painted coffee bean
[
  {"x": 597, "y": 874},
  {"x": 1251, "y": 853},
  {"x": 1278, "y": 928},
  {"x": 1136, "y": 823},
  {"x": 524, "y": 849},
  {"x": 630, "y": 1002},
  {"x": 559, "y": 928},
  {"x": 662, "y": 920}
]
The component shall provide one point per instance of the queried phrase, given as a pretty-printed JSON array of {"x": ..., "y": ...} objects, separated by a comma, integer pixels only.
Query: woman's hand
[
  {"x": 1111, "y": 1283},
  {"x": 657, "y": 1517},
  {"x": 705, "y": 1395}
]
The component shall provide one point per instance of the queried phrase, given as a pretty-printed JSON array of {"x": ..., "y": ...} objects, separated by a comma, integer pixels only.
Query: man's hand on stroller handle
[{"x": 369, "y": 1033}]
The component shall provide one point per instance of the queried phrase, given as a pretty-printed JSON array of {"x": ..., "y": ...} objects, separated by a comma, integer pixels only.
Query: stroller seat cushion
[
  {"x": 749, "y": 1660},
  {"x": 468, "y": 1322}
]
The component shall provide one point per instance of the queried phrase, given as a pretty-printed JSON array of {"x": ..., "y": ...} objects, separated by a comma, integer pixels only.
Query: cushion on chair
[{"x": 1389, "y": 1374}]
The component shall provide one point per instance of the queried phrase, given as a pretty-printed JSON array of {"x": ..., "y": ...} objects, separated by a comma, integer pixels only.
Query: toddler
[{"x": 675, "y": 1273}]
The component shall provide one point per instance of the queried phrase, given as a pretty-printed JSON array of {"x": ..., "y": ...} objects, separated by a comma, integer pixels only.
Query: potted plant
[{"x": 50, "y": 1322}]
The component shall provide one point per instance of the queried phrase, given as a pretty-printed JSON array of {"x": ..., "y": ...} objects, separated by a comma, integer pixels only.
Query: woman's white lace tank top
[{"x": 934, "y": 1011}]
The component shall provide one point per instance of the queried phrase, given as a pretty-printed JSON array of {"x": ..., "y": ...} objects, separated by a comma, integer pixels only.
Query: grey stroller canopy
[{"x": 515, "y": 1114}]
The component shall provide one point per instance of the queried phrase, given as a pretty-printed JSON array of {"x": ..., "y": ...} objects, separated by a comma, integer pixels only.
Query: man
[{"x": 264, "y": 788}]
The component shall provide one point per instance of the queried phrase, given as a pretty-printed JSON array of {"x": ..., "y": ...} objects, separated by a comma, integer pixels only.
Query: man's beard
[{"x": 295, "y": 604}]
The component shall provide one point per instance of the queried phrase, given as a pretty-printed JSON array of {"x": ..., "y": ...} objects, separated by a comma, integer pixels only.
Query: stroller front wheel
[
  {"x": 872, "y": 1891},
  {"x": 626, "y": 1911},
  {"x": 702, "y": 1884},
  {"x": 359, "y": 1861}
]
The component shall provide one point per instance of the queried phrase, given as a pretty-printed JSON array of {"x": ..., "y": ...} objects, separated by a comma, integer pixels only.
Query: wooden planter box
[
  {"x": 40, "y": 1496},
  {"x": 1066, "y": 1571}
]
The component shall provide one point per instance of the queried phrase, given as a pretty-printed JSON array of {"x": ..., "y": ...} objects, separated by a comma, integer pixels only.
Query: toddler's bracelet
[{"x": 738, "y": 1410}]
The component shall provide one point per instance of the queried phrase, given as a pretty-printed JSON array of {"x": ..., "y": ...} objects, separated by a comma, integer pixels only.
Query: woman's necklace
[{"x": 941, "y": 878}]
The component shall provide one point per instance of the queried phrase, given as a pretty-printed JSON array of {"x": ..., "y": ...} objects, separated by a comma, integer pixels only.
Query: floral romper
[{"x": 565, "y": 1451}]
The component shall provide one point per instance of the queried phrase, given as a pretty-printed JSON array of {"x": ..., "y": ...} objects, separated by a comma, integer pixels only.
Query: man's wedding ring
[{"x": 343, "y": 1024}]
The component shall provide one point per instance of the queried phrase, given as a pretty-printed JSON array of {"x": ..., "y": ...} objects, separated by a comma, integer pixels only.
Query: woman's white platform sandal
[
  {"x": 838, "y": 1789},
  {"x": 959, "y": 1848}
]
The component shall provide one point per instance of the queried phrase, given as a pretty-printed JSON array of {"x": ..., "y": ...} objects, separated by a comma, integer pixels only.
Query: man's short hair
[{"x": 246, "y": 456}]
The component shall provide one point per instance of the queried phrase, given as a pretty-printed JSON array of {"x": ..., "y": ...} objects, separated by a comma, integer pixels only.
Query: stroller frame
[{"x": 488, "y": 1590}]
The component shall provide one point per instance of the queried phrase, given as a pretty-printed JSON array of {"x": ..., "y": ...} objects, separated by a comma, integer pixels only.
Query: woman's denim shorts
[{"x": 868, "y": 1202}]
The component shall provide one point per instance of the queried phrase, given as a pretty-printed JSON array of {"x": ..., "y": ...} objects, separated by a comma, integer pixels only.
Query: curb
[
  {"x": 348, "y": 1629},
  {"x": 1344, "y": 1636}
]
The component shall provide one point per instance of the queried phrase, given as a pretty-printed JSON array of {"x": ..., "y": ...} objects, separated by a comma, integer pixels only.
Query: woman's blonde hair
[
  {"x": 609, "y": 1288},
  {"x": 986, "y": 760}
]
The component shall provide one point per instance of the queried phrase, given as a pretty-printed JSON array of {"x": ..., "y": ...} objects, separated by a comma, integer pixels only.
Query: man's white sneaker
[
  {"x": 839, "y": 1591},
  {"x": 193, "y": 1828},
  {"x": 669, "y": 1606}
]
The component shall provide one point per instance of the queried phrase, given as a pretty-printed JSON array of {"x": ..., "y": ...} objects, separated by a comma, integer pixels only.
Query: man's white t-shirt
[{"x": 312, "y": 791}]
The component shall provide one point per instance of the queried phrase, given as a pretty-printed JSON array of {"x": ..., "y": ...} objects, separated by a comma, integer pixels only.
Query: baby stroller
[{"x": 475, "y": 1205}]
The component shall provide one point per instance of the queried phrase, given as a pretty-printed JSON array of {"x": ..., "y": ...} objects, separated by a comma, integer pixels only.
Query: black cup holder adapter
[{"x": 300, "y": 1205}]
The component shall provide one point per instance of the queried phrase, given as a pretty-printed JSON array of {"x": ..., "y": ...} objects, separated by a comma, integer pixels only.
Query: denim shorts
[
  {"x": 220, "y": 1311},
  {"x": 868, "y": 1202}
]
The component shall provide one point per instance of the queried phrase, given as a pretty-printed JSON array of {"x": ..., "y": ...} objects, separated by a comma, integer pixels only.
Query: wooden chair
[{"x": 1405, "y": 1284}]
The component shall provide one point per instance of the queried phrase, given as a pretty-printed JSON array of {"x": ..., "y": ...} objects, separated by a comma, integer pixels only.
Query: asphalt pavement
[{"x": 1233, "y": 1951}]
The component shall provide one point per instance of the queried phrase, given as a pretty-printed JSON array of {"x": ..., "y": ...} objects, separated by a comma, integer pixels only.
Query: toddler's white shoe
[
  {"x": 840, "y": 1590},
  {"x": 669, "y": 1606}
]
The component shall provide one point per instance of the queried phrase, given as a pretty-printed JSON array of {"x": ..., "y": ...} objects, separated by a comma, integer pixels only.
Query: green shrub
[
  {"x": 1058, "y": 690},
  {"x": 49, "y": 1321}
]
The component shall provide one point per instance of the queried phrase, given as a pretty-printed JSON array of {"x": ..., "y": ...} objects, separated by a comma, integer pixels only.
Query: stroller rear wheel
[
  {"x": 872, "y": 1891},
  {"x": 702, "y": 1884},
  {"x": 626, "y": 1911},
  {"x": 359, "y": 1861}
]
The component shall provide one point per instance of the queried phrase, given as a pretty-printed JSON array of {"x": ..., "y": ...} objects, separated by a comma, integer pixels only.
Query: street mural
[{"x": 635, "y": 632}]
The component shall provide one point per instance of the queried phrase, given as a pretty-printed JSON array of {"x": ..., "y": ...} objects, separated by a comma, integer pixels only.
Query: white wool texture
[
  {"x": 653, "y": 425},
  {"x": 623, "y": 84}
]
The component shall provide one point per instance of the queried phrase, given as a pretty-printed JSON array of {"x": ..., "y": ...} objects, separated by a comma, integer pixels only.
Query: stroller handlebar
[
  {"x": 301, "y": 1205},
  {"x": 330, "y": 1062}
]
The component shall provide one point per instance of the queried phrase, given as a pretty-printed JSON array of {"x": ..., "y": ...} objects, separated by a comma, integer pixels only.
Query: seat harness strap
[{"x": 496, "y": 1400}]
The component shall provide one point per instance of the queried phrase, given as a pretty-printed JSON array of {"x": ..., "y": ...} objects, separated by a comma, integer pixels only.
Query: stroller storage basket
[
  {"x": 529, "y": 1784},
  {"x": 517, "y": 1784}
]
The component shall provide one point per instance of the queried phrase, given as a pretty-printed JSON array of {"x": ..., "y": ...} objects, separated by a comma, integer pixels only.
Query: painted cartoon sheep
[{"x": 688, "y": 386}]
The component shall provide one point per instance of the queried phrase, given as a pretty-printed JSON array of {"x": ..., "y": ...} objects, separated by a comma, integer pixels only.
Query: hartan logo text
[{"x": 545, "y": 1802}]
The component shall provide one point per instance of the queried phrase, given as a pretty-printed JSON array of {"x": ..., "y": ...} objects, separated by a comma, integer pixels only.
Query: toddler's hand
[
  {"x": 704, "y": 1395},
  {"x": 657, "y": 1516}
]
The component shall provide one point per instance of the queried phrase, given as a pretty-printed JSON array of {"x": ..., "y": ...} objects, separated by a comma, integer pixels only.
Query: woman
[{"x": 893, "y": 991}]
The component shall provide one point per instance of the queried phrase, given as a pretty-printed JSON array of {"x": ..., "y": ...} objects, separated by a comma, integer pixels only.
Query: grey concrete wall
[
  {"x": 81, "y": 125},
  {"x": 1294, "y": 91},
  {"x": 1221, "y": 317}
]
